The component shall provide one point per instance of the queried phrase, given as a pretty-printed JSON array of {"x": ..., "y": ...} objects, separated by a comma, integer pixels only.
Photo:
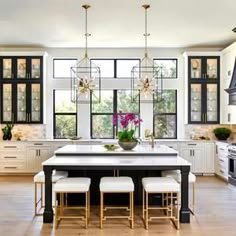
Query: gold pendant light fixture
[
  {"x": 85, "y": 76},
  {"x": 146, "y": 77}
]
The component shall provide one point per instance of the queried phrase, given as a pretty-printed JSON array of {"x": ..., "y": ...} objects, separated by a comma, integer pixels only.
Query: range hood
[{"x": 232, "y": 87}]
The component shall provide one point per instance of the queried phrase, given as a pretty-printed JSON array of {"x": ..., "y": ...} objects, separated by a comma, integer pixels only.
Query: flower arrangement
[
  {"x": 7, "y": 135},
  {"x": 129, "y": 123}
]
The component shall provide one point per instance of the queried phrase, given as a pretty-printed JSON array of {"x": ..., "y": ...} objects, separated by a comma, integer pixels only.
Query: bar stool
[
  {"x": 117, "y": 185},
  {"x": 39, "y": 179},
  {"x": 72, "y": 185},
  {"x": 168, "y": 186},
  {"x": 177, "y": 176}
]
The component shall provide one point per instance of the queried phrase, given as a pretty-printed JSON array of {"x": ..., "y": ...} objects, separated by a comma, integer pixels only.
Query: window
[
  {"x": 112, "y": 101},
  {"x": 169, "y": 68},
  {"x": 61, "y": 67},
  {"x": 165, "y": 115},
  {"x": 65, "y": 115},
  {"x": 115, "y": 68}
]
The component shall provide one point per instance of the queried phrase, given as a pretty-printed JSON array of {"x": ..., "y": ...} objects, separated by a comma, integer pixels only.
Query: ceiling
[{"x": 117, "y": 23}]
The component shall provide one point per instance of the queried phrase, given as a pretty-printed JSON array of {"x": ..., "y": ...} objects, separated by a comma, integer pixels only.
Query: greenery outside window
[
  {"x": 64, "y": 115},
  {"x": 169, "y": 67},
  {"x": 112, "y": 101},
  {"x": 165, "y": 115}
]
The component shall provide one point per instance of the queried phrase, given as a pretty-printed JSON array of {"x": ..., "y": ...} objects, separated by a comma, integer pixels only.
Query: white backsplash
[
  {"x": 27, "y": 131},
  {"x": 207, "y": 131}
]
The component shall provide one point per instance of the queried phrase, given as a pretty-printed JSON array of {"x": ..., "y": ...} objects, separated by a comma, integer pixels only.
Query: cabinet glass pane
[
  {"x": 7, "y": 102},
  {"x": 21, "y": 68},
  {"x": 35, "y": 102},
  {"x": 21, "y": 102},
  {"x": 35, "y": 68},
  {"x": 211, "y": 102},
  {"x": 196, "y": 101},
  {"x": 211, "y": 68},
  {"x": 7, "y": 68},
  {"x": 196, "y": 68}
]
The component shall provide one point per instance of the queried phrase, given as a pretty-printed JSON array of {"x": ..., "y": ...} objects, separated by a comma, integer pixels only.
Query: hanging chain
[
  {"x": 86, "y": 29},
  {"x": 146, "y": 6}
]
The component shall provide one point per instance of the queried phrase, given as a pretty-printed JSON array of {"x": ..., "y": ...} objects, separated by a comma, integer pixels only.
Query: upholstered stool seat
[
  {"x": 177, "y": 176},
  {"x": 120, "y": 184},
  {"x": 163, "y": 185},
  {"x": 72, "y": 185},
  {"x": 39, "y": 179}
]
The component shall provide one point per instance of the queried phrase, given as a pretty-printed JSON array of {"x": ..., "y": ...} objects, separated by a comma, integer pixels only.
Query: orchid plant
[{"x": 129, "y": 123}]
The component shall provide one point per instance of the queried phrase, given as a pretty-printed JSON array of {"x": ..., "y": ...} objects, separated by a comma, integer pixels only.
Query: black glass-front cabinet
[
  {"x": 21, "y": 89},
  {"x": 204, "y": 90}
]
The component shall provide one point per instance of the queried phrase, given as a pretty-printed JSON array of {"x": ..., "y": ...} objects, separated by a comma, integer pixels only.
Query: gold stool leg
[
  {"x": 35, "y": 199},
  {"x": 88, "y": 205},
  {"x": 56, "y": 211},
  {"x": 146, "y": 218},
  {"x": 193, "y": 197},
  {"x": 131, "y": 207},
  {"x": 41, "y": 195},
  {"x": 101, "y": 210},
  {"x": 177, "y": 211},
  {"x": 86, "y": 210},
  {"x": 143, "y": 205}
]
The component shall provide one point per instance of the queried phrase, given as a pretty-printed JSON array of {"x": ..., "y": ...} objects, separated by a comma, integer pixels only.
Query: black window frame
[
  {"x": 115, "y": 111},
  {"x": 115, "y": 65},
  {"x": 168, "y": 59},
  {"x": 62, "y": 59},
  {"x": 166, "y": 113},
  {"x": 63, "y": 113}
]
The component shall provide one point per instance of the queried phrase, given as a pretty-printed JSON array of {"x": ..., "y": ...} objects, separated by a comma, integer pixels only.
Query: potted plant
[
  {"x": 129, "y": 123},
  {"x": 7, "y": 135},
  {"x": 222, "y": 133}
]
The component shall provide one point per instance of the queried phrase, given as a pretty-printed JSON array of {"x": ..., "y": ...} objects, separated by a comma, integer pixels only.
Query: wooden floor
[{"x": 215, "y": 214}]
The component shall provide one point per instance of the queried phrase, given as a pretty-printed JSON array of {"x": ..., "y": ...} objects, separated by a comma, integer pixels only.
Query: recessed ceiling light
[{"x": 234, "y": 30}]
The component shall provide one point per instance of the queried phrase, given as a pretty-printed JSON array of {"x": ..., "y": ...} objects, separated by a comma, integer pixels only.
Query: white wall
[{"x": 84, "y": 111}]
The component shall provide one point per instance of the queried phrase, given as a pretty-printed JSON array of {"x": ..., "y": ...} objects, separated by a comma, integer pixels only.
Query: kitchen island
[{"x": 96, "y": 157}]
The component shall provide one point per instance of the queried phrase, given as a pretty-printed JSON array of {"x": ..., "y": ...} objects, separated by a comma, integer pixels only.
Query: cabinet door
[
  {"x": 195, "y": 68},
  {"x": 35, "y": 111},
  {"x": 195, "y": 104},
  {"x": 212, "y": 104},
  {"x": 35, "y": 68},
  {"x": 7, "y": 109},
  {"x": 21, "y": 103},
  {"x": 7, "y": 71},
  {"x": 212, "y": 68},
  {"x": 198, "y": 160},
  {"x": 43, "y": 154},
  {"x": 21, "y": 68},
  {"x": 32, "y": 160}
]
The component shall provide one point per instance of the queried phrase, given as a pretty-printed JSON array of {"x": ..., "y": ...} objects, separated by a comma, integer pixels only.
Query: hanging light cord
[
  {"x": 146, "y": 6},
  {"x": 86, "y": 29}
]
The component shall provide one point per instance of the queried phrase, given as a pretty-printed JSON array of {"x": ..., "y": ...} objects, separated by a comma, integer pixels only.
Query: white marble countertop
[
  {"x": 93, "y": 150},
  {"x": 116, "y": 161}
]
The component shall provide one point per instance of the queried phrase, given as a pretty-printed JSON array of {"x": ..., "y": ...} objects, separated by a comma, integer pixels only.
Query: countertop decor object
[
  {"x": 222, "y": 133},
  {"x": 110, "y": 147},
  {"x": 7, "y": 135},
  {"x": 126, "y": 136}
]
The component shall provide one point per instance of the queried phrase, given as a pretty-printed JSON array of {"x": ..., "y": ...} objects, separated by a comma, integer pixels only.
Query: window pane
[
  {"x": 169, "y": 67},
  {"x": 124, "y": 68},
  {"x": 63, "y": 102},
  {"x": 106, "y": 67},
  {"x": 124, "y": 102},
  {"x": 165, "y": 126},
  {"x": 62, "y": 67},
  {"x": 106, "y": 104},
  {"x": 165, "y": 102},
  {"x": 102, "y": 126},
  {"x": 65, "y": 126}
]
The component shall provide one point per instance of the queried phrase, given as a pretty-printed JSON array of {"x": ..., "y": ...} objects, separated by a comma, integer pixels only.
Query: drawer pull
[
  {"x": 192, "y": 144},
  {"x": 10, "y": 167},
  {"x": 38, "y": 144},
  {"x": 222, "y": 171},
  {"x": 9, "y": 146},
  {"x": 221, "y": 160},
  {"x": 10, "y": 157},
  {"x": 170, "y": 146},
  {"x": 222, "y": 149}
]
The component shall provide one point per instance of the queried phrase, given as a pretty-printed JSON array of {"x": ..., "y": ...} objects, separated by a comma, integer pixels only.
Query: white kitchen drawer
[
  {"x": 223, "y": 173},
  {"x": 12, "y": 147},
  {"x": 12, "y": 156},
  {"x": 192, "y": 145},
  {"x": 12, "y": 167}
]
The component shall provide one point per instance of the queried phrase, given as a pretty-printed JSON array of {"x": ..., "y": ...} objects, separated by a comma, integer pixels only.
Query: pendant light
[
  {"x": 85, "y": 76},
  {"x": 146, "y": 77}
]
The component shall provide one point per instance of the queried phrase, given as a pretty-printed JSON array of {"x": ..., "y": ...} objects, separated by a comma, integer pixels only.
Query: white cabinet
[
  {"x": 36, "y": 153},
  {"x": 200, "y": 155},
  {"x": 221, "y": 160},
  {"x": 12, "y": 157}
]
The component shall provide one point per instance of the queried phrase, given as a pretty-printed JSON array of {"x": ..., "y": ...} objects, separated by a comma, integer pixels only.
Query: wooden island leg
[
  {"x": 48, "y": 212},
  {"x": 184, "y": 210}
]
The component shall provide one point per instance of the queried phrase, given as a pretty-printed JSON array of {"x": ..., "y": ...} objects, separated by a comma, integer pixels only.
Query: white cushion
[
  {"x": 160, "y": 184},
  {"x": 177, "y": 175},
  {"x": 56, "y": 175},
  {"x": 116, "y": 184},
  {"x": 73, "y": 185}
]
